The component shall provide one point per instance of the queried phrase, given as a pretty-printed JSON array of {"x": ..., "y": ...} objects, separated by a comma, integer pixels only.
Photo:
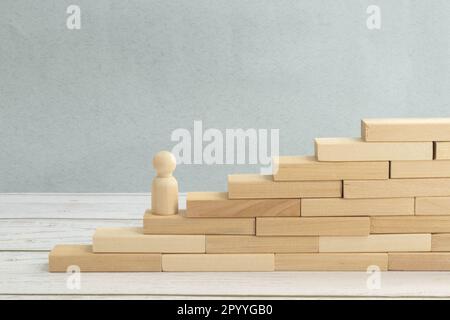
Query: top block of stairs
[{"x": 427, "y": 129}]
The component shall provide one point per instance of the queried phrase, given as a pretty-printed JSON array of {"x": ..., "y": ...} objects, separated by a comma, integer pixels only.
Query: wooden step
[
  {"x": 376, "y": 243},
  {"x": 336, "y": 226},
  {"x": 253, "y": 244},
  {"x": 420, "y": 169},
  {"x": 440, "y": 242},
  {"x": 304, "y": 168},
  {"x": 425, "y": 261},
  {"x": 357, "y": 207},
  {"x": 355, "y": 149},
  {"x": 217, "y": 204},
  {"x": 433, "y": 206},
  {"x": 442, "y": 150},
  {"x": 254, "y": 186},
  {"x": 413, "y": 224},
  {"x": 217, "y": 262},
  {"x": 330, "y": 261},
  {"x": 406, "y": 129},
  {"x": 133, "y": 240},
  {"x": 180, "y": 224},
  {"x": 397, "y": 188},
  {"x": 82, "y": 256}
]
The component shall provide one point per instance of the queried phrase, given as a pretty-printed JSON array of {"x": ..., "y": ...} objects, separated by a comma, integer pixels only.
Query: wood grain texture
[
  {"x": 376, "y": 243},
  {"x": 133, "y": 240},
  {"x": 407, "y": 129},
  {"x": 179, "y": 224},
  {"x": 433, "y": 206},
  {"x": 420, "y": 169},
  {"x": 355, "y": 149},
  {"x": 415, "y": 224},
  {"x": 63, "y": 256},
  {"x": 217, "y": 262},
  {"x": 304, "y": 168},
  {"x": 442, "y": 150},
  {"x": 329, "y": 261},
  {"x": 254, "y": 186},
  {"x": 339, "y": 226},
  {"x": 217, "y": 204},
  {"x": 440, "y": 242},
  {"x": 357, "y": 207},
  {"x": 425, "y": 261},
  {"x": 253, "y": 244},
  {"x": 397, "y": 188}
]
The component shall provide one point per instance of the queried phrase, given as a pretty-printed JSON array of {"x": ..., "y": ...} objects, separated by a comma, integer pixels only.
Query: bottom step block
[
  {"x": 429, "y": 261},
  {"x": 63, "y": 256},
  {"x": 330, "y": 261},
  {"x": 218, "y": 262}
]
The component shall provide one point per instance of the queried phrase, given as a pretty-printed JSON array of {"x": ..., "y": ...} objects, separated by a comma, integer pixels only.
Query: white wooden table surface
[{"x": 31, "y": 224}]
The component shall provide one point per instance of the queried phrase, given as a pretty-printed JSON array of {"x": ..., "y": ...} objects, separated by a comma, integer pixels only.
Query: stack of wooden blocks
[{"x": 380, "y": 200}]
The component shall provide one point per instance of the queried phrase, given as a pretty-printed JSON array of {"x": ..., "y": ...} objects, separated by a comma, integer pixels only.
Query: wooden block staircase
[{"x": 379, "y": 200}]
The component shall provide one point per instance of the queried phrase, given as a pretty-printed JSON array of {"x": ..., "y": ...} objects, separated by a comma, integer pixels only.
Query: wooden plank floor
[{"x": 31, "y": 224}]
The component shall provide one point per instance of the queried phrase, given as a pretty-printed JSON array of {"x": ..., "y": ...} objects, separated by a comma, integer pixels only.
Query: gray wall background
[{"x": 84, "y": 111}]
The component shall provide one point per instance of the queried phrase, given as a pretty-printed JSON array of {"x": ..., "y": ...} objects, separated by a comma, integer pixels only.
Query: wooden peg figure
[{"x": 164, "y": 186}]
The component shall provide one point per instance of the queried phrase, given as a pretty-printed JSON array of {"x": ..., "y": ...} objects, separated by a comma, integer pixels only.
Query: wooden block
[
  {"x": 442, "y": 150},
  {"x": 420, "y": 169},
  {"x": 63, "y": 256},
  {"x": 357, "y": 207},
  {"x": 425, "y": 261},
  {"x": 217, "y": 204},
  {"x": 252, "y": 244},
  {"x": 358, "y": 226},
  {"x": 440, "y": 242},
  {"x": 412, "y": 129},
  {"x": 414, "y": 224},
  {"x": 218, "y": 262},
  {"x": 433, "y": 206},
  {"x": 376, "y": 243},
  {"x": 247, "y": 186},
  {"x": 303, "y": 168},
  {"x": 329, "y": 261},
  {"x": 355, "y": 149},
  {"x": 133, "y": 240},
  {"x": 179, "y": 224},
  {"x": 397, "y": 188}
]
